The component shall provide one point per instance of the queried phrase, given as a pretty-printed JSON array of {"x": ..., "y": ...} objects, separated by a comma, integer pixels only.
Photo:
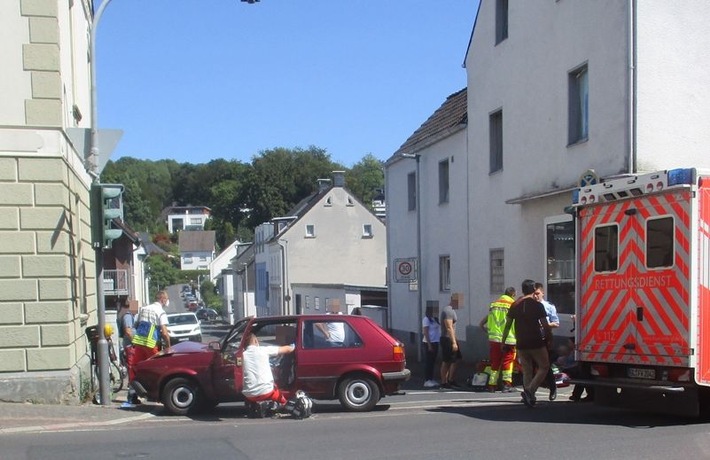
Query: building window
[
  {"x": 316, "y": 301},
  {"x": 444, "y": 181},
  {"x": 308, "y": 302},
  {"x": 496, "y": 141},
  {"x": 659, "y": 242},
  {"x": 412, "y": 191},
  {"x": 195, "y": 221},
  {"x": 310, "y": 231},
  {"x": 578, "y": 105},
  {"x": 606, "y": 248},
  {"x": 367, "y": 231},
  {"x": 444, "y": 273},
  {"x": 501, "y": 20},
  {"x": 497, "y": 271}
]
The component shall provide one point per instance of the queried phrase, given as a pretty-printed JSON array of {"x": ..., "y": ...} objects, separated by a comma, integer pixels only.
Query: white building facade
[
  {"x": 556, "y": 89},
  {"x": 332, "y": 246}
]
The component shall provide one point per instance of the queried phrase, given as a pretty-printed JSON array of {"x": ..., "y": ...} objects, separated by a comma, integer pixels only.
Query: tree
[
  {"x": 366, "y": 178},
  {"x": 163, "y": 272}
]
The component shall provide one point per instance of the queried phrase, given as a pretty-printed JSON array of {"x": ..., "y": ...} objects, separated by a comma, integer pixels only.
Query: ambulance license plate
[{"x": 636, "y": 373}]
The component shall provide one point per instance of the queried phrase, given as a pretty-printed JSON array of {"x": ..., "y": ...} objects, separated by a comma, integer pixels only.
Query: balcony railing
[{"x": 116, "y": 282}]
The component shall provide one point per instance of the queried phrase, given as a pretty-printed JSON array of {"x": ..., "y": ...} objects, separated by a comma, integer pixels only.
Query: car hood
[
  {"x": 185, "y": 348},
  {"x": 182, "y": 328}
]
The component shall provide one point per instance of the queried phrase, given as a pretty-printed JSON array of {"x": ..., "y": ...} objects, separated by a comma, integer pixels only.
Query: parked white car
[{"x": 183, "y": 327}]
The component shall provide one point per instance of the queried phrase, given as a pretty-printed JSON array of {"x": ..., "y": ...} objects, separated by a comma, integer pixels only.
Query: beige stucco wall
[{"x": 47, "y": 270}]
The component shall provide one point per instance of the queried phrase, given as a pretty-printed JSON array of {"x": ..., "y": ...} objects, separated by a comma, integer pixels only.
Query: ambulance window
[
  {"x": 659, "y": 242},
  {"x": 606, "y": 248}
]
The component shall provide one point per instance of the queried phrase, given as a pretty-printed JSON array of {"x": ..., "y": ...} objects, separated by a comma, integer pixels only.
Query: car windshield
[{"x": 182, "y": 319}]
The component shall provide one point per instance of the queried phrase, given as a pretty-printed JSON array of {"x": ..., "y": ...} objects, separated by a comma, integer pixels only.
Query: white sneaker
[{"x": 431, "y": 384}]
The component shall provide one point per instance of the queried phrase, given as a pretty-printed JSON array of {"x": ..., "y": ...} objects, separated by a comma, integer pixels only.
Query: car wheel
[
  {"x": 181, "y": 396},
  {"x": 358, "y": 393}
]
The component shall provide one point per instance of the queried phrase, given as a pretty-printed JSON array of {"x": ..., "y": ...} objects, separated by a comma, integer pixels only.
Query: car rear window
[{"x": 342, "y": 334}]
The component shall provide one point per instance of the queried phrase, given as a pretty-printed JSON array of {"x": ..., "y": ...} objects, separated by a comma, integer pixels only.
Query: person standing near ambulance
[
  {"x": 150, "y": 324},
  {"x": 450, "y": 352},
  {"x": 502, "y": 358}
]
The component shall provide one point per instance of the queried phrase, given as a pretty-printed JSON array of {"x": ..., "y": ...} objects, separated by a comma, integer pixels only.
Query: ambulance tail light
[
  {"x": 680, "y": 176},
  {"x": 679, "y": 375},
  {"x": 600, "y": 370}
]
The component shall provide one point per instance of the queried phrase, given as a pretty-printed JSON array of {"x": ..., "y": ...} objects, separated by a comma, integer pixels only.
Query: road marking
[{"x": 74, "y": 426}]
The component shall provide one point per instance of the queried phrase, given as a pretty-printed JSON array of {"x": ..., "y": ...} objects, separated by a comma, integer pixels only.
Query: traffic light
[{"x": 106, "y": 205}]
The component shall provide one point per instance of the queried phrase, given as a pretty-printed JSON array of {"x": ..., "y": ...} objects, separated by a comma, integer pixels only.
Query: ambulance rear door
[{"x": 634, "y": 279}]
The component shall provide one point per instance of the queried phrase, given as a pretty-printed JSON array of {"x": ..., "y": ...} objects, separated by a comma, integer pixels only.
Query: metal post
[
  {"x": 246, "y": 289},
  {"x": 92, "y": 167},
  {"x": 420, "y": 263}
]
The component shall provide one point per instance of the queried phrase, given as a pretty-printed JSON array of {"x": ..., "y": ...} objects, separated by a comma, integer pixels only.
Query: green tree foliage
[
  {"x": 281, "y": 178},
  {"x": 240, "y": 195},
  {"x": 164, "y": 271},
  {"x": 365, "y": 178},
  {"x": 210, "y": 297}
]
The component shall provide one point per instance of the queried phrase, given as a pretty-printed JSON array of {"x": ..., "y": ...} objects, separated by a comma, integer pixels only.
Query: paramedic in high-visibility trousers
[
  {"x": 150, "y": 324},
  {"x": 502, "y": 358},
  {"x": 529, "y": 318}
]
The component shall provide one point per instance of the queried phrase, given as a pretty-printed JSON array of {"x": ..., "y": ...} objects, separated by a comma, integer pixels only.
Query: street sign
[{"x": 405, "y": 270}]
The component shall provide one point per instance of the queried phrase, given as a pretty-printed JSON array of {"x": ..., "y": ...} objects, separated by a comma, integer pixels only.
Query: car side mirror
[{"x": 214, "y": 346}]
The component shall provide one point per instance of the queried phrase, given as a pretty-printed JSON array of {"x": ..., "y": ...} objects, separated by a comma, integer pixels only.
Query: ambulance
[{"x": 642, "y": 328}]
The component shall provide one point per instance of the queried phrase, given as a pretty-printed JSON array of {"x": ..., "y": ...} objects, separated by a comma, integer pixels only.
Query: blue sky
[{"x": 195, "y": 80}]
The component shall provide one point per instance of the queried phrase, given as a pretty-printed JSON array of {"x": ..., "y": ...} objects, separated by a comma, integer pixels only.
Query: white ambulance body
[{"x": 643, "y": 290}]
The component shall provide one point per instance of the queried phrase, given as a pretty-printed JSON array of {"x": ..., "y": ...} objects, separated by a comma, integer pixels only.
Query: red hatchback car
[{"x": 359, "y": 364}]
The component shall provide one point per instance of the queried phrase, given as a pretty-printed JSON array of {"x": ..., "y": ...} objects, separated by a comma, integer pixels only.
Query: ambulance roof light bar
[{"x": 632, "y": 186}]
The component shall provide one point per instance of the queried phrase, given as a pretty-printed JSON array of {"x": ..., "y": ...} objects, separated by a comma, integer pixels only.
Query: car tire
[
  {"x": 181, "y": 396},
  {"x": 358, "y": 393}
]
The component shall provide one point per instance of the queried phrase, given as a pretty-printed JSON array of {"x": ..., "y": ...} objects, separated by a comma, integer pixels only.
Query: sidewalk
[{"x": 36, "y": 418}]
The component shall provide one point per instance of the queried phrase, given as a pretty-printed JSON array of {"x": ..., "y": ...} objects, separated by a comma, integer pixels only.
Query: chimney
[
  {"x": 338, "y": 178},
  {"x": 323, "y": 185}
]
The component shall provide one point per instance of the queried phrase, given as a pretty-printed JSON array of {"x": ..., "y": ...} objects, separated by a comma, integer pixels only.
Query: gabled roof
[
  {"x": 128, "y": 231},
  {"x": 450, "y": 117},
  {"x": 149, "y": 246},
  {"x": 305, "y": 205},
  {"x": 197, "y": 241}
]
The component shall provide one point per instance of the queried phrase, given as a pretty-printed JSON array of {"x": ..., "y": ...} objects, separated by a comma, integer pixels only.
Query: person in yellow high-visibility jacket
[
  {"x": 150, "y": 326},
  {"x": 502, "y": 358}
]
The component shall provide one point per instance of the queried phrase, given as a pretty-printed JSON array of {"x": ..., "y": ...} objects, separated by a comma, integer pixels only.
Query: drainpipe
[
  {"x": 285, "y": 294},
  {"x": 632, "y": 58}
]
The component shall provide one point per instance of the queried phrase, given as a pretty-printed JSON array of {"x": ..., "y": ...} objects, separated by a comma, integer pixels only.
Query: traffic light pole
[{"x": 102, "y": 345}]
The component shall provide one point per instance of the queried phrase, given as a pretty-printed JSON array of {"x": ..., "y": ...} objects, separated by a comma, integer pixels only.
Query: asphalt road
[{"x": 422, "y": 424}]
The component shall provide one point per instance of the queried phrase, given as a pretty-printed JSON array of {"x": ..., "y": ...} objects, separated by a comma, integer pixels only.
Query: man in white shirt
[
  {"x": 333, "y": 331},
  {"x": 258, "y": 379}
]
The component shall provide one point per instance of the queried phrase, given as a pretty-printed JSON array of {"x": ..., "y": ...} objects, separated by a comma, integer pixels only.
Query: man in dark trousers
[{"x": 530, "y": 317}]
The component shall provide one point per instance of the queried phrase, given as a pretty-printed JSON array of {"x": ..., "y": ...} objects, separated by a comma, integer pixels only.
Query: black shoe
[
  {"x": 453, "y": 384},
  {"x": 528, "y": 398},
  {"x": 134, "y": 400},
  {"x": 553, "y": 393},
  {"x": 445, "y": 386}
]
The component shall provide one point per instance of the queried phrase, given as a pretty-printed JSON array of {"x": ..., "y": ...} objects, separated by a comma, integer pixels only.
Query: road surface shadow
[{"x": 567, "y": 412}]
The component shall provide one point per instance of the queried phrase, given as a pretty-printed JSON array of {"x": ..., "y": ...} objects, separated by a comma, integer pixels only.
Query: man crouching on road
[{"x": 258, "y": 380}]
